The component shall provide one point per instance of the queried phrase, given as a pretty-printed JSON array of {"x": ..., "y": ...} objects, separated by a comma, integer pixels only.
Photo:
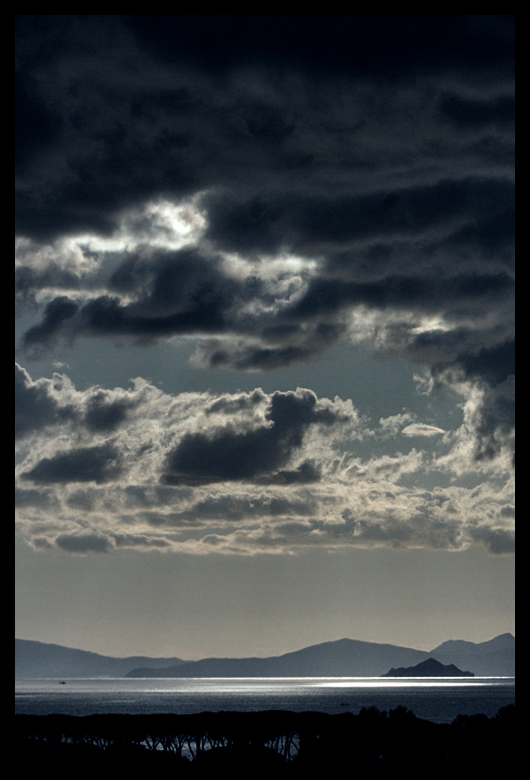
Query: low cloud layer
[{"x": 245, "y": 472}]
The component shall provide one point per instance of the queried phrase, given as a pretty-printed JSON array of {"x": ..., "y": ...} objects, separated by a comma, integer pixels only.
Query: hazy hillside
[
  {"x": 38, "y": 659},
  {"x": 341, "y": 658},
  {"x": 495, "y": 657},
  {"x": 351, "y": 658}
]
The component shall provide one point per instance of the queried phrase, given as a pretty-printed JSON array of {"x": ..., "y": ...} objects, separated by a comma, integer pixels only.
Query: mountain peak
[{"x": 504, "y": 641}]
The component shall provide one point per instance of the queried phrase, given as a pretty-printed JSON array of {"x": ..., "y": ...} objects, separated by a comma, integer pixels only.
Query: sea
[{"x": 439, "y": 700}]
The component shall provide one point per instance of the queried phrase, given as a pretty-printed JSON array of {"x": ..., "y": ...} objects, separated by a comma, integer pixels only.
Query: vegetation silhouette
[{"x": 288, "y": 743}]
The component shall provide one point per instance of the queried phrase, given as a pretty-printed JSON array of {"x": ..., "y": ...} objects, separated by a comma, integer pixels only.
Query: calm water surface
[{"x": 436, "y": 699}]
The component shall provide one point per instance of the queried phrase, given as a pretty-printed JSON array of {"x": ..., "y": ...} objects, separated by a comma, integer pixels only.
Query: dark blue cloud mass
[
  {"x": 85, "y": 464},
  {"x": 228, "y": 454}
]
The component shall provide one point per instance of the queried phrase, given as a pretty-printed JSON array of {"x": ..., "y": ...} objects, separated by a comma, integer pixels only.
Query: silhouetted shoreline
[{"x": 373, "y": 740}]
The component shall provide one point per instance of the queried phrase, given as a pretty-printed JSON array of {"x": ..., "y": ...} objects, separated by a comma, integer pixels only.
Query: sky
[{"x": 264, "y": 355}]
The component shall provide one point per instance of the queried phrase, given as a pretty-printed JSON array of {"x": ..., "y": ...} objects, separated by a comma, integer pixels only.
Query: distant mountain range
[
  {"x": 38, "y": 659},
  {"x": 342, "y": 658}
]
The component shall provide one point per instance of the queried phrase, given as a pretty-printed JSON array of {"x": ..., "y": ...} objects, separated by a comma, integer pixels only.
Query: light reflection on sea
[{"x": 436, "y": 699}]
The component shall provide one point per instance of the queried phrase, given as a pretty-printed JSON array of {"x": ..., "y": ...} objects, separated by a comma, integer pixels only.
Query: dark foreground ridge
[{"x": 288, "y": 743}]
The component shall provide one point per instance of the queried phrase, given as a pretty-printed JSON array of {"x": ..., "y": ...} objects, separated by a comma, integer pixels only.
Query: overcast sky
[{"x": 264, "y": 371}]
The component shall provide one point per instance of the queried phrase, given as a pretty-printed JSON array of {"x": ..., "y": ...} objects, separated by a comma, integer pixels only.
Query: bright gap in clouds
[{"x": 157, "y": 224}]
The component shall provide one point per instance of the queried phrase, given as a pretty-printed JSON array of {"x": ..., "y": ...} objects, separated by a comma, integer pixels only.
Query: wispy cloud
[{"x": 420, "y": 429}]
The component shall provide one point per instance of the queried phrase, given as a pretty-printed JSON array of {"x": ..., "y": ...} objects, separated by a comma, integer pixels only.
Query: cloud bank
[
  {"x": 341, "y": 178},
  {"x": 250, "y": 472}
]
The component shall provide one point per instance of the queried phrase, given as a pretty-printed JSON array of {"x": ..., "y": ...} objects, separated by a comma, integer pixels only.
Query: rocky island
[{"x": 429, "y": 668}]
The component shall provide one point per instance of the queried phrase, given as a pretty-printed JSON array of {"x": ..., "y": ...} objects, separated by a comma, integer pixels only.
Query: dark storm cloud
[
  {"x": 149, "y": 298},
  {"x": 56, "y": 314},
  {"x": 497, "y": 540},
  {"x": 496, "y": 426},
  {"x": 83, "y": 543},
  {"x": 356, "y": 43},
  {"x": 95, "y": 137},
  {"x": 413, "y": 292},
  {"x": 378, "y": 150},
  {"x": 35, "y": 498},
  {"x": 492, "y": 371},
  {"x": 179, "y": 292},
  {"x": 46, "y": 403},
  {"x": 102, "y": 415},
  {"x": 248, "y": 472},
  {"x": 493, "y": 364},
  {"x": 85, "y": 464},
  {"x": 244, "y": 355},
  {"x": 306, "y": 473},
  {"x": 35, "y": 407},
  {"x": 228, "y": 454},
  {"x": 477, "y": 113},
  {"x": 314, "y": 224},
  {"x": 28, "y": 281}
]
